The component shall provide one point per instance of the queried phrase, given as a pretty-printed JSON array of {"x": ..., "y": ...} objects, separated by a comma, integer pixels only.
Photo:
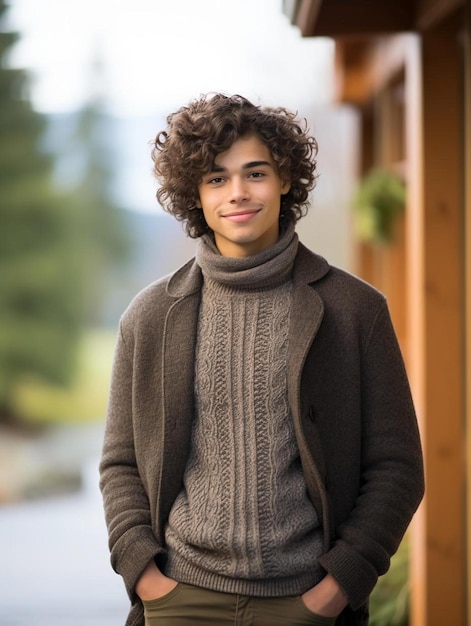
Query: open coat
[{"x": 350, "y": 401}]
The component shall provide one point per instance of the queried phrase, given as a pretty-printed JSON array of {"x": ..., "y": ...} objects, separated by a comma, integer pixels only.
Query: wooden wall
[
  {"x": 443, "y": 536},
  {"x": 426, "y": 271},
  {"x": 422, "y": 272}
]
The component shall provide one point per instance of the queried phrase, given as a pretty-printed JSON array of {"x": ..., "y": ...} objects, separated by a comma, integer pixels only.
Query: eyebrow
[{"x": 217, "y": 169}]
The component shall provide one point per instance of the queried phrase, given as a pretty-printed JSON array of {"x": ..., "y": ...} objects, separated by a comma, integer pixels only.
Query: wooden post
[
  {"x": 439, "y": 595},
  {"x": 415, "y": 307},
  {"x": 467, "y": 182}
]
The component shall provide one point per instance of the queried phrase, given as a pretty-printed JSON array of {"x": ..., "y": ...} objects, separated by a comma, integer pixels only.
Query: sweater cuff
[
  {"x": 354, "y": 574},
  {"x": 131, "y": 555}
]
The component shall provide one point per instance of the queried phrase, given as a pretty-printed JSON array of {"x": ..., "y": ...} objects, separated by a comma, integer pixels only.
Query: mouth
[{"x": 241, "y": 216}]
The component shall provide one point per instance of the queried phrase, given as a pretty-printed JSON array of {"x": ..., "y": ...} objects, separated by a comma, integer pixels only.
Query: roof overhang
[
  {"x": 343, "y": 18},
  {"x": 337, "y": 18}
]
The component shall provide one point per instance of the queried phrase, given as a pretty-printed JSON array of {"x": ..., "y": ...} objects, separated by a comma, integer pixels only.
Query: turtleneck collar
[{"x": 267, "y": 269}]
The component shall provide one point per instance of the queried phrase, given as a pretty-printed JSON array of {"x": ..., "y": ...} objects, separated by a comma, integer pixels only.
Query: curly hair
[{"x": 196, "y": 134}]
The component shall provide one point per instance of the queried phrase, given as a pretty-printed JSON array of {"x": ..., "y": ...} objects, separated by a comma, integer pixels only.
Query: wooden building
[{"x": 406, "y": 66}]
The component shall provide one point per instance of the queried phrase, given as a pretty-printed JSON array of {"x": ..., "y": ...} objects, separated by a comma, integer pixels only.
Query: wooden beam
[
  {"x": 440, "y": 573},
  {"x": 353, "y": 71},
  {"x": 335, "y": 18},
  {"x": 307, "y": 15},
  {"x": 364, "y": 66},
  {"x": 415, "y": 246},
  {"x": 431, "y": 12},
  {"x": 467, "y": 193},
  {"x": 345, "y": 18}
]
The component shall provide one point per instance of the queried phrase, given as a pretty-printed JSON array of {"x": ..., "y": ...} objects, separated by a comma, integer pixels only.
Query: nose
[{"x": 238, "y": 190}]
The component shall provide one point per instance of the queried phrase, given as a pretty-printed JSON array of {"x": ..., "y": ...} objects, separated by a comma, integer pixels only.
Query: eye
[
  {"x": 256, "y": 174},
  {"x": 216, "y": 180}
]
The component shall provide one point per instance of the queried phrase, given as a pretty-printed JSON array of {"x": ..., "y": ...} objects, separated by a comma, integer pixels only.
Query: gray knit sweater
[{"x": 243, "y": 522}]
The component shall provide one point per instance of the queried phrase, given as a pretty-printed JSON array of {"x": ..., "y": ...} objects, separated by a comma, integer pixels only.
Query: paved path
[{"x": 54, "y": 563}]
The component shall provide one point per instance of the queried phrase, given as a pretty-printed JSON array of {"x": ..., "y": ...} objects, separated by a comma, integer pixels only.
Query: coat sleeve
[
  {"x": 131, "y": 539},
  {"x": 392, "y": 478}
]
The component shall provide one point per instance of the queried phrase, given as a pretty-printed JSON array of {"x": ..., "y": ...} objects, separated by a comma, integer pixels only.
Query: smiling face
[{"x": 241, "y": 198}]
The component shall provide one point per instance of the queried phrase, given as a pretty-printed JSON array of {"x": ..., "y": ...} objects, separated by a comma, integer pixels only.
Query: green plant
[
  {"x": 379, "y": 199},
  {"x": 389, "y": 602}
]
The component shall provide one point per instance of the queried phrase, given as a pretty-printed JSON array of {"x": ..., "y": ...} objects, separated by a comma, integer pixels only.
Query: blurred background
[{"x": 85, "y": 86}]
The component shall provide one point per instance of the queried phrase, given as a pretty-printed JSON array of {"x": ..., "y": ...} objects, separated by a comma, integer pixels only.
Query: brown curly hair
[{"x": 196, "y": 134}]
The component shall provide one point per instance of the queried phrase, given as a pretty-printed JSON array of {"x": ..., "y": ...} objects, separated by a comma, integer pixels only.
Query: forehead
[{"x": 245, "y": 149}]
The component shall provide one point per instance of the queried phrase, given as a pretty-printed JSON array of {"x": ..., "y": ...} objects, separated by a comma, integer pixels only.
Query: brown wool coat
[{"x": 350, "y": 400}]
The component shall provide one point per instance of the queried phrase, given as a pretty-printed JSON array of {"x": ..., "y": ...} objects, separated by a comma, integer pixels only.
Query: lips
[{"x": 241, "y": 216}]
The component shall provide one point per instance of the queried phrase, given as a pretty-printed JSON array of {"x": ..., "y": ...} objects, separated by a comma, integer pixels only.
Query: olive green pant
[{"x": 187, "y": 605}]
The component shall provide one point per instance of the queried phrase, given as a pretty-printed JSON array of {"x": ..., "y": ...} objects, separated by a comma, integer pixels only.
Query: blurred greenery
[
  {"x": 389, "y": 603},
  {"x": 56, "y": 247},
  {"x": 105, "y": 240},
  {"x": 381, "y": 196},
  {"x": 85, "y": 400},
  {"x": 40, "y": 309}
]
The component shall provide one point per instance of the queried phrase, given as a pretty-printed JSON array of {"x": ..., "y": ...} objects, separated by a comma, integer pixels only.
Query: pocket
[
  {"x": 317, "y": 620},
  {"x": 162, "y": 599}
]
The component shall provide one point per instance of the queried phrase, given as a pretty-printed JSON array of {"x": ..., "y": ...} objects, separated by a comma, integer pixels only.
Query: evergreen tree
[
  {"x": 40, "y": 294},
  {"x": 106, "y": 242}
]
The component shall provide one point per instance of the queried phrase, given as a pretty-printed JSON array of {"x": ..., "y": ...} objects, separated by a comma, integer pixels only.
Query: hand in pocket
[{"x": 153, "y": 585}]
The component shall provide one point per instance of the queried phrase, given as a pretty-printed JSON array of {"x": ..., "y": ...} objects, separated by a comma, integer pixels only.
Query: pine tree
[
  {"x": 107, "y": 242},
  {"x": 40, "y": 295}
]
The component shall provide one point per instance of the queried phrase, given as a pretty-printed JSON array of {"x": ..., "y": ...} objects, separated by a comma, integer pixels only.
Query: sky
[{"x": 159, "y": 54}]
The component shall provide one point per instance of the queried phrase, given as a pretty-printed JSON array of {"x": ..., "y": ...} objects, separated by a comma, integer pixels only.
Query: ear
[{"x": 285, "y": 187}]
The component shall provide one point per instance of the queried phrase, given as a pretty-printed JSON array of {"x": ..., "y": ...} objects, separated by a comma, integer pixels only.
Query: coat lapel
[
  {"x": 178, "y": 356},
  {"x": 307, "y": 312}
]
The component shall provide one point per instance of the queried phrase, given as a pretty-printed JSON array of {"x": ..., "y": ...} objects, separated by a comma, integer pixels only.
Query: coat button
[{"x": 311, "y": 414}]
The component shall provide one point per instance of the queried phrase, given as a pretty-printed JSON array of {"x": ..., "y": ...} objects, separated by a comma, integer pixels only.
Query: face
[{"x": 241, "y": 198}]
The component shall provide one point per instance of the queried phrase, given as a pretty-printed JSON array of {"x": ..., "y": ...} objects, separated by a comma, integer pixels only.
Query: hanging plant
[{"x": 379, "y": 199}]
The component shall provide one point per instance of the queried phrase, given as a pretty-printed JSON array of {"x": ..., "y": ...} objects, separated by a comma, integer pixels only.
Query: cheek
[
  {"x": 204, "y": 197},
  {"x": 209, "y": 199},
  {"x": 197, "y": 200},
  {"x": 206, "y": 212}
]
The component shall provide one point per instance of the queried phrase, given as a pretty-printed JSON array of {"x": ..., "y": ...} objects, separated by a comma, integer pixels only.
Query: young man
[{"x": 261, "y": 460}]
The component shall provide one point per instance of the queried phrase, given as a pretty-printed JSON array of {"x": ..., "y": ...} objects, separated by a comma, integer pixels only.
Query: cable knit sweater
[{"x": 243, "y": 522}]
